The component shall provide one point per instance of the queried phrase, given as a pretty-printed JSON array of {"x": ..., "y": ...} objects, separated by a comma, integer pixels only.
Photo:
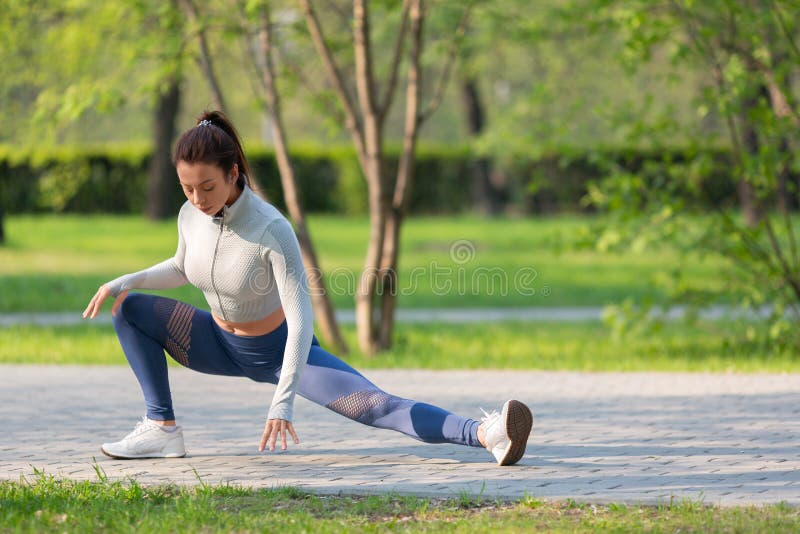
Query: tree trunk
[
  {"x": 366, "y": 129},
  {"x": 376, "y": 179},
  {"x": 405, "y": 178},
  {"x": 785, "y": 201},
  {"x": 485, "y": 197},
  {"x": 368, "y": 281},
  {"x": 748, "y": 200},
  {"x": 204, "y": 60},
  {"x": 161, "y": 187},
  {"x": 782, "y": 104},
  {"x": 323, "y": 309}
]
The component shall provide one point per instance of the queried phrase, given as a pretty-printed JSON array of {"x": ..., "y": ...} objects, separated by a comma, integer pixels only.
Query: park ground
[{"x": 52, "y": 263}]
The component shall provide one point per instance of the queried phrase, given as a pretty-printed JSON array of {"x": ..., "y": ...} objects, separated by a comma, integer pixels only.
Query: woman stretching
[{"x": 243, "y": 255}]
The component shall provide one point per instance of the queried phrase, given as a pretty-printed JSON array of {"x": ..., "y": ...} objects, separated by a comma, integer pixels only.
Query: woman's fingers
[
  {"x": 89, "y": 307},
  {"x": 264, "y": 438},
  {"x": 292, "y": 432},
  {"x": 273, "y": 437},
  {"x": 283, "y": 437},
  {"x": 269, "y": 436},
  {"x": 94, "y": 305},
  {"x": 98, "y": 303},
  {"x": 263, "y": 441},
  {"x": 99, "y": 298},
  {"x": 118, "y": 302},
  {"x": 273, "y": 429}
]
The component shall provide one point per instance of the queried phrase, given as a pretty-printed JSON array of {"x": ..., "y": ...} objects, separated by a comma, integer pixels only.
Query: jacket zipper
[{"x": 214, "y": 263}]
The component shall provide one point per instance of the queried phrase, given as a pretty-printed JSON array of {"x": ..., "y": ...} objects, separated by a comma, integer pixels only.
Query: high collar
[{"x": 233, "y": 212}]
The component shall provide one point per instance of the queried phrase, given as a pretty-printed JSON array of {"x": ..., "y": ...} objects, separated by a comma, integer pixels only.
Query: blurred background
[{"x": 636, "y": 160}]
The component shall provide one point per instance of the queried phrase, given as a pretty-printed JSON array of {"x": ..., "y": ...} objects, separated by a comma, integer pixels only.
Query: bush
[{"x": 113, "y": 178}]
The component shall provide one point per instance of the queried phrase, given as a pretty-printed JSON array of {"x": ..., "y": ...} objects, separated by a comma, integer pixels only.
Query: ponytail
[{"x": 214, "y": 141}]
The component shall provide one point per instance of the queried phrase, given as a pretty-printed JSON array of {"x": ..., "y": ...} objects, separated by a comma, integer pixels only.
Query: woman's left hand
[{"x": 272, "y": 429}]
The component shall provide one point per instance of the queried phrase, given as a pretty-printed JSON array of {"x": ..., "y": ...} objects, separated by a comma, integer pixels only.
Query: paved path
[
  {"x": 599, "y": 437},
  {"x": 424, "y": 315}
]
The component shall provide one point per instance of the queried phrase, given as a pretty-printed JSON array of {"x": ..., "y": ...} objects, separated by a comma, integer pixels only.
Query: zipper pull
[{"x": 219, "y": 219}]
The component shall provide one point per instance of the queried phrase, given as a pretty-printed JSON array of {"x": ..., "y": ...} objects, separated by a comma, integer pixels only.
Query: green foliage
[
  {"x": 748, "y": 55},
  {"x": 350, "y": 193},
  {"x": 111, "y": 178},
  {"x": 68, "y": 60},
  {"x": 77, "y": 179}
]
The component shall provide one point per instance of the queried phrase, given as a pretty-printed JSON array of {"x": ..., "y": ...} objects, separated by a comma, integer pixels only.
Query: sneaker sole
[
  {"x": 143, "y": 457},
  {"x": 519, "y": 421}
]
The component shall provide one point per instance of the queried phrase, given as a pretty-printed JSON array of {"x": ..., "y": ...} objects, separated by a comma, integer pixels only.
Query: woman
[{"x": 243, "y": 254}]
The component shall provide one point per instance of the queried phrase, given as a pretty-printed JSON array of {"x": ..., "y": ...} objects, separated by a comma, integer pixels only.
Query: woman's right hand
[{"x": 97, "y": 302}]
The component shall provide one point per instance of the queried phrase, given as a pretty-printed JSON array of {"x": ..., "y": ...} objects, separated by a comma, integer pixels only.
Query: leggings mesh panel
[
  {"x": 360, "y": 404},
  {"x": 178, "y": 317}
]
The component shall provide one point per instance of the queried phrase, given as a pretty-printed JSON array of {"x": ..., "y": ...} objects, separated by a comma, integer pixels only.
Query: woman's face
[{"x": 208, "y": 187}]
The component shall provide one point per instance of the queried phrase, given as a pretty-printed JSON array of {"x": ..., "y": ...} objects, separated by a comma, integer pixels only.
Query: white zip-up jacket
[{"x": 247, "y": 263}]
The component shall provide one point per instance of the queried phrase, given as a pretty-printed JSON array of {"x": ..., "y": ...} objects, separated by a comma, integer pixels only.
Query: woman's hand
[
  {"x": 97, "y": 302},
  {"x": 271, "y": 431}
]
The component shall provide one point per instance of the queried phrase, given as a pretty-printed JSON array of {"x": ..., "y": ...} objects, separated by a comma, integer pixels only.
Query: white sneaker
[
  {"x": 506, "y": 433},
  {"x": 147, "y": 440}
]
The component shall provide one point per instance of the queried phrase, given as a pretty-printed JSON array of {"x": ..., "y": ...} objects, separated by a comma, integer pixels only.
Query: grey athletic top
[{"x": 247, "y": 262}]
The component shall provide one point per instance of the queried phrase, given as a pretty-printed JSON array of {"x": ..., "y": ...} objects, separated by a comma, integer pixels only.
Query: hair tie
[{"x": 205, "y": 122}]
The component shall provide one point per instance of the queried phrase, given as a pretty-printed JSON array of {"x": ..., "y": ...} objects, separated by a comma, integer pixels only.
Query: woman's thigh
[
  {"x": 188, "y": 334},
  {"x": 329, "y": 381}
]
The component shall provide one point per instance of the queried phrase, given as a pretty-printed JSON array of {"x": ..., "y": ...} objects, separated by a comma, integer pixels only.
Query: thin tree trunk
[
  {"x": 365, "y": 124},
  {"x": 161, "y": 186},
  {"x": 784, "y": 176},
  {"x": 485, "y": 195},
  {"x": 376, "y": 180},
  {"x": 781, "y": 104},
  {"x": 323, "y": 308},
  {"x": 748, "y": 201},
  {"x": 405, "y": 178},
  {"x": 205, "y": 59}
]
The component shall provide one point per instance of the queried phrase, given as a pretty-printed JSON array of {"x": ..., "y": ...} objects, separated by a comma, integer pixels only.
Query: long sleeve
[
  {"x": 290, "y": 277},
  {"x": 165, "y": 275}
]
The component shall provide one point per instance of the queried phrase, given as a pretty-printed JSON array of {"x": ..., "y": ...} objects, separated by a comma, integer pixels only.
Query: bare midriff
[{"x": 258, "y": 327}]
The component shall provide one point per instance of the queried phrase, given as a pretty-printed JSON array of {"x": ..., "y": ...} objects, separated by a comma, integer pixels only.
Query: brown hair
[{"x": 213, "y": 141}]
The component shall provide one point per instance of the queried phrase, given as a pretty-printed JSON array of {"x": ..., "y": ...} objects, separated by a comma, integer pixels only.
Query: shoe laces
[
  {"x": 489, "y": 418},
  {"x": 140, "y": 427}
]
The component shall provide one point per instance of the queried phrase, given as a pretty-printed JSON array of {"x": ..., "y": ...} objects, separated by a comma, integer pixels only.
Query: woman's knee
[{"x": 133, "y": 306}]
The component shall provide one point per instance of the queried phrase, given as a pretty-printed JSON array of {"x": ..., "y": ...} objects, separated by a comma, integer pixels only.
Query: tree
[
  {"x": 262, "y": 59},
  {"x": 251, "y": 22},
  {"x": 102, "y": 65},
  {"x": 750, "y": 55},
  {"x": 162, "y": 192},
  {"x": 365, "y": 114}
]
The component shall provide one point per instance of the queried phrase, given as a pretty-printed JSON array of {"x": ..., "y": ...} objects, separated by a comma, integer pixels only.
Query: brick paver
[{"x": 599, "y": 437}]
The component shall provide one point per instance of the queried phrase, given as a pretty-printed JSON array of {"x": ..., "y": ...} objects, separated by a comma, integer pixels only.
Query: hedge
[{"x": 112, "y": 179}]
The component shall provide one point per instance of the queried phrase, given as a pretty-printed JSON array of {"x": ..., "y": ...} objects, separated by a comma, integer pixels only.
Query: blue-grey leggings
[{"x": 147, "y": 325}]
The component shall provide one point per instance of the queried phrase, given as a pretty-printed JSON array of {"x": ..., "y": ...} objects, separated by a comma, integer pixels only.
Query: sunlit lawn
[
  {"x": 548, "y": 346},
  {"x": 56, "y": 262},
  {"x": 53, "y": 505}
]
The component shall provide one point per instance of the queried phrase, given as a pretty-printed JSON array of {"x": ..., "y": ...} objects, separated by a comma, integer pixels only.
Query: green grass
[
  {"x": 588, "y": 346},
  {"x": 56, "y": 505},
  {"x": 55, "y": 263}
]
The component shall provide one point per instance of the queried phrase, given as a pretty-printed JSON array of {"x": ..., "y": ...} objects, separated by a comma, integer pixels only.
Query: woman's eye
[{"x": 209, "y": 189}]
